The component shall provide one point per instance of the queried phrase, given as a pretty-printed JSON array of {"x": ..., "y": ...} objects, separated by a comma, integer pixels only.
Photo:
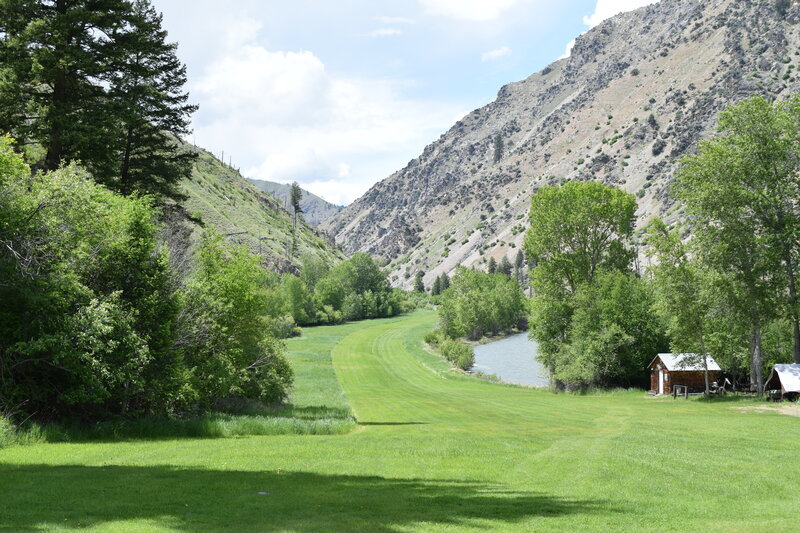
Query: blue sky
[{"x": 337, "y": 95}]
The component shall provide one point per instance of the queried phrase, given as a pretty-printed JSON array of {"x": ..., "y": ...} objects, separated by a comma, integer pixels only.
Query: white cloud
[
  {"x": 460, "y": 115},
  {"x": 568, "y": 49},
  {"x": 608, "y": 8},
  {"x": 239, "y": 32},
  {"x": 288, "y": 118},
  {"x": 394, "y": 20},
  {"x": 474, "y": 10},
  {"x": 385, "y": 32},
  {"x": 493, "y": 55},
  {"x": 337, "y": 192}
]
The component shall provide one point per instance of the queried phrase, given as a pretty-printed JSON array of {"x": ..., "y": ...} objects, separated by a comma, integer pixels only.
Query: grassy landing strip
[{"x": 433, "y": 451}]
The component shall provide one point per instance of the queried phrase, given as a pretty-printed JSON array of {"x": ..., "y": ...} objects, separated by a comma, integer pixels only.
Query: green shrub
[
  {"x": 434, "y": 337},
  {"x": 459, "y": 353}
]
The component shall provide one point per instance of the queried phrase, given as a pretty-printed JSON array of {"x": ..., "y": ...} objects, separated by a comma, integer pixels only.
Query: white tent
[{"x": 784, "y": 377}]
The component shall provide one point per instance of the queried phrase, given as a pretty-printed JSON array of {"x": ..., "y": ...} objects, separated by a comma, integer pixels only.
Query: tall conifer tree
[
  {"x": 152, "y": 108},
  {"x": 95, "y": 81}
]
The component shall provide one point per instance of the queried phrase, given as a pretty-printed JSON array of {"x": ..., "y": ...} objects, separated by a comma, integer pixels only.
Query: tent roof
[
  {"x": 685, "y": 362},
  {"x": 789, "y": 376}
]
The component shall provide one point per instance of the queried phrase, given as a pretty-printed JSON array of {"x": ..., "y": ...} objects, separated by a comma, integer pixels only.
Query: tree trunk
[
  {"x": 793, "y": 305},
  {"x": 756, "y": 365},
  {"x": 705, "y": 365},
  {"x": 55, "y": 141},
  {"x": 124, "y": 177}
]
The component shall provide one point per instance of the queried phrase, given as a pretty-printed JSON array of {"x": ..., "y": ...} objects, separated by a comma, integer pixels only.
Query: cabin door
[{"x": 661, "y": 381}]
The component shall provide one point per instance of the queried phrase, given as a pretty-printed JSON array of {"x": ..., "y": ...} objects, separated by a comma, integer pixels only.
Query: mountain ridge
[
  {"x": 316, "y": 209},
  {"x": 638, "y": 91}
]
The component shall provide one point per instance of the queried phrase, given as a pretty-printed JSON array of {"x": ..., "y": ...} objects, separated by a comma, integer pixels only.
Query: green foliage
[
  {"x": 577, "y": 230},
  {"x": 434, "y": 337},
  {"x": 92, "y": 322},
  {"x": 354, "y": 289},
  {"x": 295, "y": 196},
  {"x": 478, "y": 304},
  {"x": 505, "y": 267},
  {"x": 222, "y": 329},
  {"x": 590, "y": 314},
  {"x": 613, "y": 334},
  {"x": 459, "y": 353},
  {"x": 96, "y": 82},
  {"x": 740, "y": 190},
  {"x": 299, "y": 300},
  {"x": 436, "y": 288},
  {"x": 87, "y": 296},
  {"x": 419, "y": 285},
  {"x": 491, "y": 268},
  {"x": 684, "y": 289}
]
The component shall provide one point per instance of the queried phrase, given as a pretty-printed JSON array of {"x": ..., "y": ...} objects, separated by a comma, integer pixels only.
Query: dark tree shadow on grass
[{"x": 36, "y": 497}]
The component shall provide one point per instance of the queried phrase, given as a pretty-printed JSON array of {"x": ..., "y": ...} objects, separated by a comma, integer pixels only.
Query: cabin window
[{"x": 666, "y": 376}]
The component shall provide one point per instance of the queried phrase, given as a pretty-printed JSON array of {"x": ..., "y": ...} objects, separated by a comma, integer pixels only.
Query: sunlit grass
[{"x": 435, "y": 450}]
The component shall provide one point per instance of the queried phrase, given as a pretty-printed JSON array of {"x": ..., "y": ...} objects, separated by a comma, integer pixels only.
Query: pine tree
[
  {"x": 152, "y": 108},
  {"x": 445, "y": 284},
  {"x": 419, "y": 285},
  {"x": 95, "y": 81},
  {"x": 436, "y": 289},
  {"x": 56, "y": 57},
  {"x": 519, "y": 261},
  {"x": 505, "y": 266},
  {"x": 492, "y": 267},
  {"x": 295, "y": 195},
  {"x": 498, "y": 148}
]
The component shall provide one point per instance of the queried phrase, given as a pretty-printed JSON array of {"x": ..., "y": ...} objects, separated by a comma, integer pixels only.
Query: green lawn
[{"x": 433, "y": 451}]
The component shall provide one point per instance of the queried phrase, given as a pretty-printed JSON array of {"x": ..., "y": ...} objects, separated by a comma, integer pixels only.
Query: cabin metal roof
[{"x": 685, "y": 362}]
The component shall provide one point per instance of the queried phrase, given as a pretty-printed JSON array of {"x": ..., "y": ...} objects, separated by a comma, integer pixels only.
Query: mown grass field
[{"x": 433, "y": 451}]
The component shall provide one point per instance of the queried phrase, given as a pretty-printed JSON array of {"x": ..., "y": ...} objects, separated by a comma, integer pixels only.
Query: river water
[{"x": 513, "y": 360}]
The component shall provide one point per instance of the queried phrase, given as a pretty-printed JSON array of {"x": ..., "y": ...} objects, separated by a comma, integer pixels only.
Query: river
[{"x": 513, "y": 360}]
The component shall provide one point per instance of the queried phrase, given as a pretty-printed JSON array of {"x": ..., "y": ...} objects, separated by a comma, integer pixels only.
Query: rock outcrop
[{"x": 638, "y": 92}]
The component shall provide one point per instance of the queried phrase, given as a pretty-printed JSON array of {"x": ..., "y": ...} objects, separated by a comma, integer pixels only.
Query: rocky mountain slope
[
  {"x": 220, "y": 198},
  {"x": 315, "y": 209},
  {"x": 638, "y": 91}
]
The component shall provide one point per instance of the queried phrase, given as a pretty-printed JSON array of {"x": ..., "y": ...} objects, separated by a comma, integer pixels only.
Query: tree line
[
  {"x": 722, "y": 281},
  {"x": 472, "y": 305},
  {"x": 354, "y": 289},
  {"x": 94, "y": 320}
]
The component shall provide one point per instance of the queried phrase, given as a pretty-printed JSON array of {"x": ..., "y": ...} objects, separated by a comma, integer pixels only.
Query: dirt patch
[{"x": 784, "y": 409}]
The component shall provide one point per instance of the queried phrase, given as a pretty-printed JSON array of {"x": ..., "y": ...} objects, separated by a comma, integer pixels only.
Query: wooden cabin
[{"x": 670, "y": 369}]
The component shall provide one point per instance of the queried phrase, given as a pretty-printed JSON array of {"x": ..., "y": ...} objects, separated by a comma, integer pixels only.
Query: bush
[
  {"x": 433, "y": 337},
  {"x": 88, "y": 299},
  {"x": 223, "y": 329},
  {"x": 459, "y": 353}
]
